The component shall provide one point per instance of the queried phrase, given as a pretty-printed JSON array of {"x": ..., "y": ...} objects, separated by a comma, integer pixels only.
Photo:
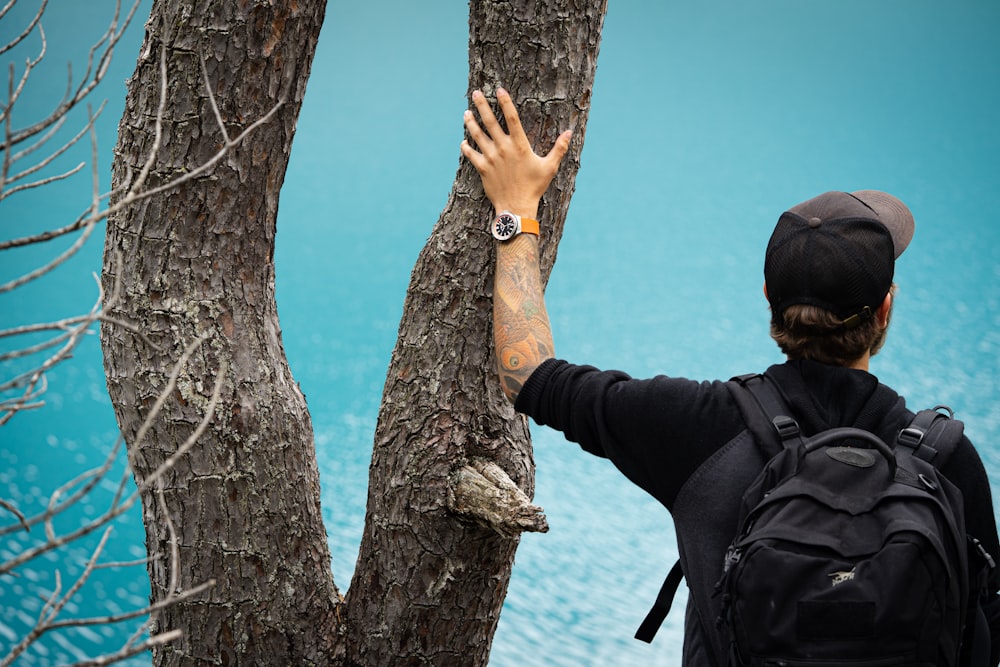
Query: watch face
[{"x": 504, "y": 226}]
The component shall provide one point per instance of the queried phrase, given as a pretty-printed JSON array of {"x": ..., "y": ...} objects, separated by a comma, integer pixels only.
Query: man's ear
[
  {"x": 884, "y": 310},
  {"x": 765, "y": 290}
]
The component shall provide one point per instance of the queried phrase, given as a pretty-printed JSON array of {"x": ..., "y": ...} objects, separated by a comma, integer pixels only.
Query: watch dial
[{"x": 504, "y": 227}]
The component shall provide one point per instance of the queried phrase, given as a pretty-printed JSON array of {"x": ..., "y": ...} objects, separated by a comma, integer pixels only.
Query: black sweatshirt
[{"x": 659, "y": 431}]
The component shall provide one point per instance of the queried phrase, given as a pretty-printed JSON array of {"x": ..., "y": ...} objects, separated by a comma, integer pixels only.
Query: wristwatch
[{"x": 508, "y": 225}]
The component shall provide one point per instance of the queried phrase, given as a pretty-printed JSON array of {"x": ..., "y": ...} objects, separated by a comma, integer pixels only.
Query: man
[{"x": 828, "y": 279}]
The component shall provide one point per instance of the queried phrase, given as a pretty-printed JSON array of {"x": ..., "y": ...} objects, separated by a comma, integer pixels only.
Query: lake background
[{"x": 708, "y": 120}]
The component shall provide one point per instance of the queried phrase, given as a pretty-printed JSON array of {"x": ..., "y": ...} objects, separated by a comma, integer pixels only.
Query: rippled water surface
[{"x": 708, "y": 120}]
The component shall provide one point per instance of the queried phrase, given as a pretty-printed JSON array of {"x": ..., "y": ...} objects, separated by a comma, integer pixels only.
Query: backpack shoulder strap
[
  {"x": 765, "y": 412},
  {"x": 932, "y": 435},
  {"x": 664, "y": 599},
  {"x": 756, "y": 399}
]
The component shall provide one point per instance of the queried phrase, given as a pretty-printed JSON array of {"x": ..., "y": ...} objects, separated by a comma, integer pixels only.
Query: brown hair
[{"x": 809, "y": 332}]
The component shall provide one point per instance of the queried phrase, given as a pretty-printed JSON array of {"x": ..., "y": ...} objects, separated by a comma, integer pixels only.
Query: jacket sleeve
[{"x": 656, "y": 431}]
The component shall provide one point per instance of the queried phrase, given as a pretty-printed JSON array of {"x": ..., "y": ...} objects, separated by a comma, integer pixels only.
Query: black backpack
[{"x": 848, "y": 551}]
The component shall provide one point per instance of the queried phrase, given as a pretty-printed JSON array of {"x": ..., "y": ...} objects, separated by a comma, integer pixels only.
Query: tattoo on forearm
[{"x": 521, "y": 331}]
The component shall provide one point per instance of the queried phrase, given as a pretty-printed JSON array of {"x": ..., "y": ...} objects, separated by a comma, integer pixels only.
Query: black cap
[{"x": 837, "y": 251}]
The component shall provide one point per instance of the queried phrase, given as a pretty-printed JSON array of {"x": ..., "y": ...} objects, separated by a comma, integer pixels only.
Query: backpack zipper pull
[{"x": 733, "y": 556}]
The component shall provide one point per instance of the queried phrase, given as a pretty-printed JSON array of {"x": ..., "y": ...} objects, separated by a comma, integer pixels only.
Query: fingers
[
  {"x": 510, "y": 115},
  {"x": 477, "y": 134},
  {"x": 490, "y": 131},
  {"x": 490, "y": 123},
  {"x": 491, "y": 126},
  {"x": 472, "y": 155}
]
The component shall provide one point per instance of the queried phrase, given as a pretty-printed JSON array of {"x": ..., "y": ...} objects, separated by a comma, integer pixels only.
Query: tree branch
[
  {"x": 485, "y": 493},
  {"x": 57, "y": 601}
]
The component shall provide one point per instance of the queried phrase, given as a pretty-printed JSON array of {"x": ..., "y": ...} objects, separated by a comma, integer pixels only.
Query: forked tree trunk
[{"x": 444, "y": 515}]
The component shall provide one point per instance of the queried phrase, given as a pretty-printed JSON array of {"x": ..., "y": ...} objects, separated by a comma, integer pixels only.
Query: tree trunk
[
  {"x": 436, "y": 553},
  {"x": 198, "y": 260},
  {"x": 452, "y": 468}
]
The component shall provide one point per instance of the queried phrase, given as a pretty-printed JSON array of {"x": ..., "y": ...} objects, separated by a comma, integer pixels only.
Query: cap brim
[{"x": 892, "y": 213}]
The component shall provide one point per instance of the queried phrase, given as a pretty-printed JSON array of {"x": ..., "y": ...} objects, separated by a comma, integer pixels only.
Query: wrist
[{"x": 525, "y": 210}]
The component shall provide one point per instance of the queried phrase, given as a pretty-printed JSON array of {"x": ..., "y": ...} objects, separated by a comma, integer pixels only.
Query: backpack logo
[
  {"x": 837, "y": 578},
  {"x": 852, "y": 456}
]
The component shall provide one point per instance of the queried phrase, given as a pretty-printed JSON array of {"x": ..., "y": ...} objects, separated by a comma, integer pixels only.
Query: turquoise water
[{"x": 708, "y": 119}]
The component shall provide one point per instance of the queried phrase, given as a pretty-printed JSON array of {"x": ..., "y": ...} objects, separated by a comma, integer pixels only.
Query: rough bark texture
[
  {"x": 199, "y": 261},
  {"x": 430, "y": 582},
  {"x": 452, "y": 469}
]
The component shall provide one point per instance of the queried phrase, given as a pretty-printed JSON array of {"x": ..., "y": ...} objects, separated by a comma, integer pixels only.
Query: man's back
[{"x": 703, "y": 445}]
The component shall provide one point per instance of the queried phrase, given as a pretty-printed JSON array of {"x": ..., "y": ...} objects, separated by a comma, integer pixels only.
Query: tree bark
[
  {"x": 452, "y": 470},
  {"x": 433, "y": 571},
  {"x": 198, "y": 261}
]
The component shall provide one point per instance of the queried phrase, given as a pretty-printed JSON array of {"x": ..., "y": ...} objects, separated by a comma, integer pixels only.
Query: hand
[{"x": 514, "y": 177}]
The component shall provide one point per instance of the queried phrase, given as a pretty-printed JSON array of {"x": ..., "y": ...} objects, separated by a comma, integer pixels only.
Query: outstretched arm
[{"x": 514, "y": 179}]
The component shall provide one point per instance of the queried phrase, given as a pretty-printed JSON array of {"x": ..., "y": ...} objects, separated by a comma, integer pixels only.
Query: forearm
[{"x": 522, "y": 337}]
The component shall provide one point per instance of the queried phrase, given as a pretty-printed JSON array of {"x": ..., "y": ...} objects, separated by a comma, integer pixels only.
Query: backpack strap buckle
[
  {"x": 786, "y": 427},
  {"x": 912, "y": 437}
]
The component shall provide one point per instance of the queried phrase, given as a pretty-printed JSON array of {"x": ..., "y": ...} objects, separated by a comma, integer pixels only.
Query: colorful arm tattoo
[{"x": 522, "y": 336}]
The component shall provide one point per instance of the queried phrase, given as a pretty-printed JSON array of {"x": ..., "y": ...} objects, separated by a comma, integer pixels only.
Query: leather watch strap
[{"x": 529, "y": 226}]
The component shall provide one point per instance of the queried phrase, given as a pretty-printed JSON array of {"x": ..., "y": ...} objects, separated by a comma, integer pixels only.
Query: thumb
[{"x": 558, "y": 151}]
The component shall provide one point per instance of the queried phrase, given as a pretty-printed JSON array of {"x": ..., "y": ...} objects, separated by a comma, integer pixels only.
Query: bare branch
[
  {"x": 13, "y": 510},
  {"x": 29, "y": 399},
  {"x": 31, "y": 379},
  {"x": 118, "y": 508},
  {"x": 95, "y": 477},
  {"x": 14, "y": 93},
  {"x": 129, "y": 651},
  {"x": 147, "y": 423},
  {"x": 140, "y": 180},
  {"x": 137, "y": 613},
  {"x": 48, "y": 180},
  {"x": 196, "y": 434},
  {"x": 6, "y": 8},
  {"x": 133, "y": 197},
  {"x": 171, "y": 540},
  {"x": 134, "y": 194},
  {"x": 88, "y": 228},
  {"x": 47, "y": 235},
  {"x": 27, "y": 31},
  {"x": 65, "y": 326},
  {"x": 56, "y": 541},
  {"x": 211, "y": 99},
  {"x": 124, "y": 563},
  {"x": 56, "y": 602},
  {"x": 20, "y": 176},
  {"x": 97, "y": 65}
]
